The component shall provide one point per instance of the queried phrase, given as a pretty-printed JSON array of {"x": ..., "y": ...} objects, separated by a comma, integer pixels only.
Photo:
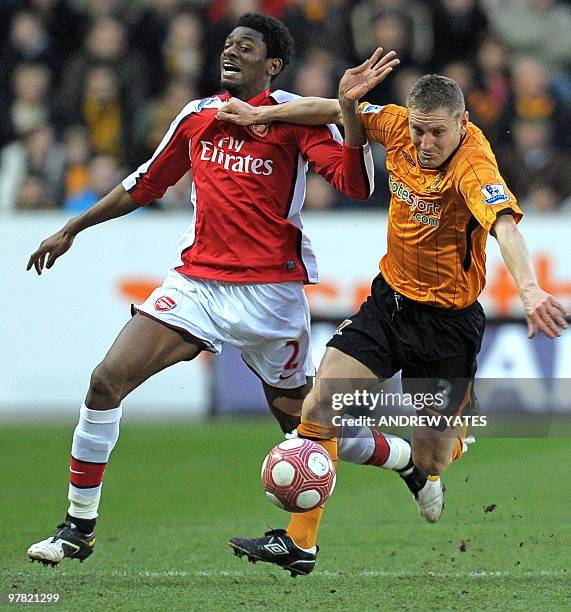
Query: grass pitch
[{"x": 173, "y": 495}]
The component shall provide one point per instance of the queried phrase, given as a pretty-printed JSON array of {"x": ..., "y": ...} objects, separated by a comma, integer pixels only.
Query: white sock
[
  {"x": 355, "y": 444},
  {"x": 358, "y": 445},
  {"x": 94, "y": 438},
  {"x": 400, "y": 453}
]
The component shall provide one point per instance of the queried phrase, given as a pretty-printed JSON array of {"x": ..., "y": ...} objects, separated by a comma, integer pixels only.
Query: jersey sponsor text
[
  {"x": 404, "y": 193},
  {"x": 235, "y": 163}
]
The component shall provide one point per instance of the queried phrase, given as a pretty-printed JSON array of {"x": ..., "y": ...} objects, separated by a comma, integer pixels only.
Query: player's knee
[
  {"x": 287, "y": 400},
  {"x": 287, "y": 422},
  {"x": 316, "y": 408},
  {"x": 105, "y": 388},
  {"x": 433, "y": 464}
]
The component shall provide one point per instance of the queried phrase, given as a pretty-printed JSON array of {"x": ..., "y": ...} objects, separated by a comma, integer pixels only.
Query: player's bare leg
[
  {"x": 361, "y": 445},
  {"x": 143, "y": 348},
  {"x": 285, "y": 404}
]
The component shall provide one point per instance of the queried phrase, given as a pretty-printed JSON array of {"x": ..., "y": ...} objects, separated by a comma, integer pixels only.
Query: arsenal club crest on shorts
[
  {"x": 260, "y": 129},
  {"x": 165, "y": 303}
]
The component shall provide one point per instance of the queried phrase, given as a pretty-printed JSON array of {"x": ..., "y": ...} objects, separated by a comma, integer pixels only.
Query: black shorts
[{"x": 434, "y": 348}]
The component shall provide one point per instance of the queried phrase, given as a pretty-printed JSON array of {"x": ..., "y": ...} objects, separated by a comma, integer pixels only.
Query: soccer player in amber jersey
[
  {"x": 422, "y": 317},
  {"x": 240, "y": 271}
]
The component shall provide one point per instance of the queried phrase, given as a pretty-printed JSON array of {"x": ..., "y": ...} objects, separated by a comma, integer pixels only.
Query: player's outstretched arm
[
  {"x": 542, "y": 310},
  {"x": 115, "y": 204},
  {"x": 304, "y": 111}
]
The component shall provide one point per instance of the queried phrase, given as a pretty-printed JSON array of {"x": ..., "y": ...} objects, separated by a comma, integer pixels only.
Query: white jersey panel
[
  {"x": 369, "y": 166},
  {"x": 187, "y": 239},
  {"x": 294, "y": 216}
]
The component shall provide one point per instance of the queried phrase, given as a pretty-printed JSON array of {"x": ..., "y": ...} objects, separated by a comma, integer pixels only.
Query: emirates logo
[
  {"x": 165, "y": 303},
  {"x": 260, "y": 129}
]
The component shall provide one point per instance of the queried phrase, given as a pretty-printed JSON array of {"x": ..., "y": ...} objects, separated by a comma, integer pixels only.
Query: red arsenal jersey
[{"x": 248, "y": 187}]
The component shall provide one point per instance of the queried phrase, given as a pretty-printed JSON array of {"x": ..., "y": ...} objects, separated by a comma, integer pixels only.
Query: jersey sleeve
[
  {"x": 382, "y": 123},
  {"x": 485, "y": 192},
  {"x": 348, "y": 169},
  {"x": 169, "y": 163}
]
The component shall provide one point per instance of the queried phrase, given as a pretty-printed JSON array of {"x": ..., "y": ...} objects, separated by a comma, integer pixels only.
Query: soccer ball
[{"x": 298, "y": 475}]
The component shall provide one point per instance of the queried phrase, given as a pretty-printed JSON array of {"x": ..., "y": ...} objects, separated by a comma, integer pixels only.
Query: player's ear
[
  {"x": 464, "y": 120},
  {"x": 274, "y": 66}
]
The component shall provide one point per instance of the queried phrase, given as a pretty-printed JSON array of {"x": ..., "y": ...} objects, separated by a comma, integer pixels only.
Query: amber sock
[
  {"x": 459, "y": 444},
  {"x": 457, "y": 453},
  {"x": 303, "y": 527}
]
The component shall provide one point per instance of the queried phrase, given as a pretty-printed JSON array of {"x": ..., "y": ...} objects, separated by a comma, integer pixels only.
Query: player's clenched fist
[
  {"x": 238, "y": 112},
  {"x": 50, "y": 248}
]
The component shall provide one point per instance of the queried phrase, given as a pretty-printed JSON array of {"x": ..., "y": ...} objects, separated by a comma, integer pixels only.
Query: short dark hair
[
  {"x": 277, "y": 37},
  {"x": 434, "y": 91}
]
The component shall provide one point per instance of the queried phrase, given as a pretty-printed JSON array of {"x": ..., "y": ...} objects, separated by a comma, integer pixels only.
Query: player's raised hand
[
  {"x": 358, "y": 81},
  {"x": 543, "y": 312},
  {"x": 238, "y": 112},
  {"x": 49, "y": 250}
]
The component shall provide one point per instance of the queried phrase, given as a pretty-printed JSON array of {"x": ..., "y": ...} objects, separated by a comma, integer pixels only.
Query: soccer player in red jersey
[{"x": 240, "y": 271}]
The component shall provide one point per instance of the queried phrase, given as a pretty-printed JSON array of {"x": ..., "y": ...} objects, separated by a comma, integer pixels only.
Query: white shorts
[{"x": 269, "y": 323}]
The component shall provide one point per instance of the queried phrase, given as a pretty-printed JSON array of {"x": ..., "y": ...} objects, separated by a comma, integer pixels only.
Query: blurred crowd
[{"x": 90, "y": 87}]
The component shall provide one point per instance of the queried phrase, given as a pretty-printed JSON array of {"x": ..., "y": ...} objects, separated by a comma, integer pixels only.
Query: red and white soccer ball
[{"x": 298, "y": 475}]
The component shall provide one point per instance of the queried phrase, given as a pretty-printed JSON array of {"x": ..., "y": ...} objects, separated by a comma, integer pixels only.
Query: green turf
[{"x": 174, "y": 494}]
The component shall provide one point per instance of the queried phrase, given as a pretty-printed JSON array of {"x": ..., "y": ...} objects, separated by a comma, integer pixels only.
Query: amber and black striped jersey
[{"x": 438, "y": 219}]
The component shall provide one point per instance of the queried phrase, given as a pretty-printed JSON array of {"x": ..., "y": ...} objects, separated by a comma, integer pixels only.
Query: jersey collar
[
  {"x": 257, "y": 100},
  {"x": 260, "y": 98}
]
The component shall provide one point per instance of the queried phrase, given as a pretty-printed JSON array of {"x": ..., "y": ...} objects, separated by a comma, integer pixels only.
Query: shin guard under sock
[{"x": 93, "y": 440}]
